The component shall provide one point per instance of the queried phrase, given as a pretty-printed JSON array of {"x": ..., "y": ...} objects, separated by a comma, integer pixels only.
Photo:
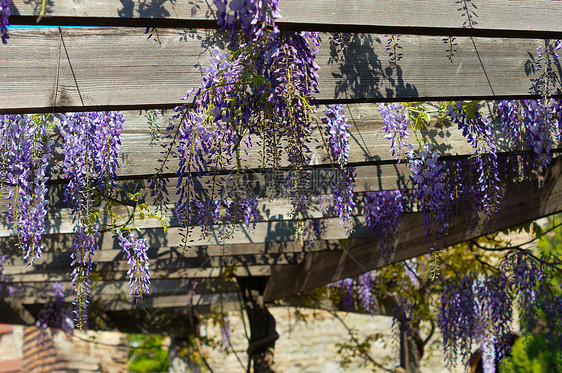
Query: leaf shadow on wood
[{"x": 363, "y": 75}]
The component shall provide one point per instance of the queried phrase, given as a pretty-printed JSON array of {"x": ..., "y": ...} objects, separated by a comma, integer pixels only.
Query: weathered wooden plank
[
  {"x": 267, "y": 231},
  {"x": 174, "y": 253},
  {"x": 207, "y": 272},
  {"x": 228, "y": 301},
  {"x": 109, "y": 304},
  {"x": 141, "y": 148},
  {"x": 158, "y": 265},
  {"x": 134, "y": 72},
  {"x": 361, "y": 255},
  {"x": 492, "y": 17},
  {"x": 42, "y": 291}
]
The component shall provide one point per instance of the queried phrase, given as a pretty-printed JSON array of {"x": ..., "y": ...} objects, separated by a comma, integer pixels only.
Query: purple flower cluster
[
  {"x": 137, "y": 258},
  {"x": 495, "y": 311},
  {"x": 253, "y": 17},
  {"x": 343, "y": 184},
  {"x": 546, "y": 64},
  {"x": 343, "y": 191},
  {"x": 383, "y": 211},
  {"x": 482, "y": 310},
  {"x": 86, "y": 242},
  {"x": 54, "y": 314},
  {"x": 457, "y": 320},
  {"x": 4, "y": 21},
  {"x": 263, "y": 88},
  {"x": 91, "y": 147},
  {"x": 478, "y": 132},
  {"x": 473, "y": 124},
  {"x": 338, "y": 133},
  {"x": 429, "y": 176},
  {"x": 526, "y": 274},
  {"x": 365, "y": 291},
  {"x": 3, "y": 259},
  {"x": 396, "y": 128},
  {"x": 533, "y": 124},
  {"x": 342, "y": 39},
  {"x": 345, "y": 287},
  {"x": 23, "y": 171},
  {"x": 241, "y": 211}
]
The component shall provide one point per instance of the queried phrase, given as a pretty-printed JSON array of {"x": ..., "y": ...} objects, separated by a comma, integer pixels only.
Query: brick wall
[{"x": 46, "y": 352}]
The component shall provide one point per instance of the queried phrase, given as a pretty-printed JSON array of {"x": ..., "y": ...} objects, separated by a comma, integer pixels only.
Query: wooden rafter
[
  {"x": 492, "y": 18},
  {"x": 44, "y": 72}
]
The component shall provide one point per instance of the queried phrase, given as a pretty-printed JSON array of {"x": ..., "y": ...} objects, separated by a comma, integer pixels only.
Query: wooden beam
[
  {"x": 176, "y": 252},
  {"x": 134, "y": 72},
  {"x": 106, "y": 270},
  {"x": 361, "y": 255},
  {"x": 141, "y": 146},
  {"x": 229, "y": 302},
  {"x": 173, "y": 273},
  {"x": 42, "y": 291},
  {"x": 442, "y": 17},
  {"x": 12, "y": 312}
]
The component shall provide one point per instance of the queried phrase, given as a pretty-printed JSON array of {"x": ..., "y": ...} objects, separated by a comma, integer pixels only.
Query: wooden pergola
[{"x": 92, "y": 68}]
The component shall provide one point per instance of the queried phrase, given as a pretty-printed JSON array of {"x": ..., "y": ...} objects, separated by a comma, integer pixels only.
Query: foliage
[
  {"x": 481, "y": 283},
  {"x": 532, "y": 354},
  {"x": 147, "y": 353}
]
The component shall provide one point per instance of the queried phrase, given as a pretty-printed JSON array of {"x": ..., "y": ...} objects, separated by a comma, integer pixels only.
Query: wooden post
[{"x": 262, "y": 324}]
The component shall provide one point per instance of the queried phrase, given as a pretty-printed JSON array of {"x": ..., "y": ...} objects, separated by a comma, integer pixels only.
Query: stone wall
[{"x": 310, "y": 346}]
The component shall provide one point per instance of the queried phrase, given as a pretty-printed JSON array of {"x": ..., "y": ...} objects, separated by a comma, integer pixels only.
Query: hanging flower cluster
[
  {"x": 343, "y": 184},
  {"x": 262, "y": 88},
  {"x": 478, "y": 132},
  {"x": 481, "y": 310},
  {"x": 86, "y": 242},
  {"x": 54, "y": 314},
  {"x": 3, "y": 259},
  {"x": 532, "y": 124},
  {"x": 396, "y": 128},
  {"x": 346, "y": 287},
  {"x": 252, "y": 17},
  {"x": 4, "y": 21},
  {"x": 546, "y": 65},
  {"x": 90, "y": 148},
  {"x": 457, "y": 320},
  {"x": 365, "y": 291},
  {"x": 429, "y": 176},
  {"x": 383, "y": 211},
  {"x": 137, "y": 258},
  {"x": 23, "y": 173}
]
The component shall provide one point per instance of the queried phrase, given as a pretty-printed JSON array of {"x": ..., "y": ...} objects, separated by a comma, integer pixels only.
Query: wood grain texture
[
  {"x": 142, "y": 145},
  {"x": 464, "y": 17},
  {"x": 362, "y": 255},
  {"x": 119, "y": 68},
  {"x": 172, "y": 273},
  {"x": 43, "y": 291}
]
